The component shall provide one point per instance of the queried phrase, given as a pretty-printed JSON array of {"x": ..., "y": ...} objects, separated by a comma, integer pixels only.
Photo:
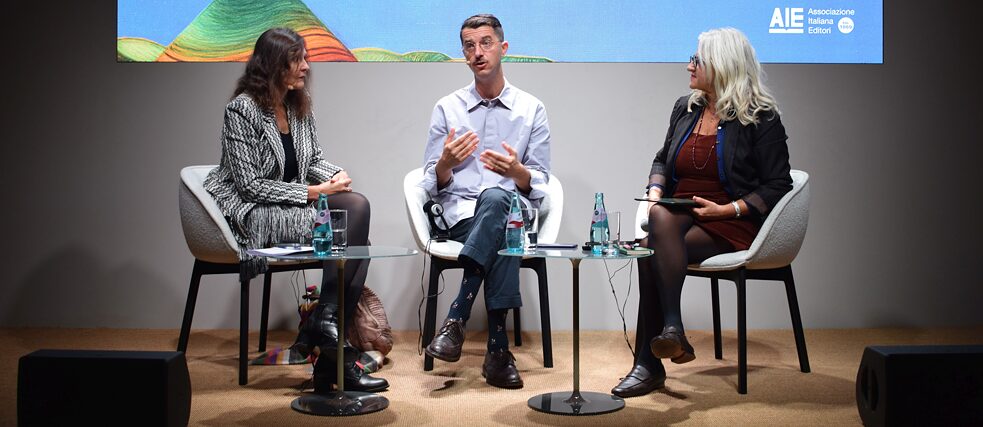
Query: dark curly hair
[{"x": 275, "y": 52}]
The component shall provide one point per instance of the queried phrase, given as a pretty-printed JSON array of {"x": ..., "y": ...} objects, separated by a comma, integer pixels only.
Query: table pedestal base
[
  {"x": 576, "y": 403},
  {"x": 336, "y": 404}
]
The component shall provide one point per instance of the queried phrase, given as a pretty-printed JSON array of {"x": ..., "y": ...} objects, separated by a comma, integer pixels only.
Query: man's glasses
[
  {"x": 695, "y": 60},
  {"x": 486, "y": 44}
]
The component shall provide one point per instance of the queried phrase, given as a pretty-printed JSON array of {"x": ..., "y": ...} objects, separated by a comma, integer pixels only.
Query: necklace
[{"x": 696, "y": 138}]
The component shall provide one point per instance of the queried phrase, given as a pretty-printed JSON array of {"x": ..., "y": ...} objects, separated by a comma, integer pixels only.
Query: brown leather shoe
[
  {"x": 672, "y": 344},
  {"x": 447, "y": 344},
  {"x": 639, "y": 382},
  {"x": 499, "y": 369}
]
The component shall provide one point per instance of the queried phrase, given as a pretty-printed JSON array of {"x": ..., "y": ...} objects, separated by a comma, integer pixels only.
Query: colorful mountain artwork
[
  {"x": 588, "y": 31},
  {"x": 136, "y": 49},
  {"x": 226, "y": 31}
]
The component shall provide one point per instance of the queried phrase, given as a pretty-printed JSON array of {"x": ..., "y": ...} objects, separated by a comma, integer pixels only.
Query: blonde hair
[{"x": 737, "y": 78}]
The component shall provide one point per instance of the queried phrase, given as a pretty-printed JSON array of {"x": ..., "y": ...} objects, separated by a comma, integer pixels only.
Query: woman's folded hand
[
  {"x": 710, "y": 211},
  {"x": 334, "y": 185}
]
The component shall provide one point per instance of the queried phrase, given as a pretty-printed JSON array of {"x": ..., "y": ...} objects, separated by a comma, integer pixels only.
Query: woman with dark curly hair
[{"x": 271, "y": 172}]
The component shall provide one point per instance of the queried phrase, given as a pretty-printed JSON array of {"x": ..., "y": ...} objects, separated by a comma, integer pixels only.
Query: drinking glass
[
  {"x": 616, "y": 229},
  {"x": 530, "y": 225},
  {"x": 339, "y": 229},
  {"x": 614, "y": 222}
]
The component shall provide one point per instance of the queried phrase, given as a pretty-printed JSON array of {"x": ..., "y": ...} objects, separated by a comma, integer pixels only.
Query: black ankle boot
[{"x": 326, "y": 373}]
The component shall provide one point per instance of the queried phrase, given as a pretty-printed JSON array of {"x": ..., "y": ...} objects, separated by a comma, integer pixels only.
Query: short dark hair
[
  {"x": 275, "y": 51},
  {"x": 481, "y": 20}
]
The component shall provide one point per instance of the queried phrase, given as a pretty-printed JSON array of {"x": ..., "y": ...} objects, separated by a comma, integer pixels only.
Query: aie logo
[
  {"x": 789, "y": 22},
  {"x": 845, "y": 25}
]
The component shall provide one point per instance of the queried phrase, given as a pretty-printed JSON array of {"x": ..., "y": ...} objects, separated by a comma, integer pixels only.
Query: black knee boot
[{"x": 319, "y": 329}]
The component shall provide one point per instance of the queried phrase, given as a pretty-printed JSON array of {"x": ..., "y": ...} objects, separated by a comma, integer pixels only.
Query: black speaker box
[
  {"x": 94, "y": 387},
  {"x": 921, "y": 385}
]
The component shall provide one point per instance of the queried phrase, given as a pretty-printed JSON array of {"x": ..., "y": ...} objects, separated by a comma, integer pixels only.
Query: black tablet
[
  {"x": 671, "y": 202},
  {"x": 556, "y": 246}
]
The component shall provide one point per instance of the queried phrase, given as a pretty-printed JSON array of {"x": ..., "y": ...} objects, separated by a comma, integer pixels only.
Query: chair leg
[
  {"x": 741, "y": 331},
  {"x": 243, "y": 331},
  {"x": 264, "y": 317},
  {"x": 430, "y": 317},
  {"x": 718, "y": 348},
  {"x": 544, "y": 312},
  {"x": 189, "y": 307},
  {"x": 793, "y": 308},
  {"x": 516, "y": 327}
]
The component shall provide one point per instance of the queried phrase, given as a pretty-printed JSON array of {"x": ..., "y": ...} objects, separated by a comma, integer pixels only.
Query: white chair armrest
[
  {"x": 206, "y": 231},
  {"x": 415, "y": 198},
  {"x": 783, "y": 231},
  {"x": 551, "y": 211},
  {"x": 642, "y": 220}
]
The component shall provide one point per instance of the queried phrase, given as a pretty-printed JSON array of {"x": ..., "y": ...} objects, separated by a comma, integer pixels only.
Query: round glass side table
[
  {"x": 575, "y": 402},
  {"x": 341, "y": 402}
]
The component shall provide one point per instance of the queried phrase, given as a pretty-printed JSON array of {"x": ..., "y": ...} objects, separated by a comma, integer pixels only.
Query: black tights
[
  {"x": 355, "y": 270},
  {"x": 677, "y": 243}
]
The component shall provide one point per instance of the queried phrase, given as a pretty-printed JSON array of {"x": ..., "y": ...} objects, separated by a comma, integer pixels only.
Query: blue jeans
[{"x": 483, "y": 235}]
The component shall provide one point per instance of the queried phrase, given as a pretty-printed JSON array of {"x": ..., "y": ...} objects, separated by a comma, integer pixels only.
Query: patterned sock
[
  {"x": 461, "y": 307},
  {"x": 497, "y": 336}
]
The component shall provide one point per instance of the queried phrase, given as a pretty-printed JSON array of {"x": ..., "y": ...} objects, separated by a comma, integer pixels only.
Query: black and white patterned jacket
[{"x": 251, "y": 169}]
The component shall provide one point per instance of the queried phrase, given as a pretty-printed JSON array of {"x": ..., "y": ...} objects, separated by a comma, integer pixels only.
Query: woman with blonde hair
[{"x": 726, "y": 150}]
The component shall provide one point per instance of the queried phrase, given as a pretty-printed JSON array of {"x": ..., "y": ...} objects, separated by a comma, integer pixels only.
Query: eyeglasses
[
  {"x": 485, "y": 44},
  {"x": 695, "y": 60}
]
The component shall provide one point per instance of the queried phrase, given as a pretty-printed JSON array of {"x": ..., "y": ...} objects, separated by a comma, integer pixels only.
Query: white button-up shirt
[{"x": 515, "y": 117}]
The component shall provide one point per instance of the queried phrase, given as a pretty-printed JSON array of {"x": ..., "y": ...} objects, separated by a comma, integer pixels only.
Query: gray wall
[{"x": 92, "y": 151}]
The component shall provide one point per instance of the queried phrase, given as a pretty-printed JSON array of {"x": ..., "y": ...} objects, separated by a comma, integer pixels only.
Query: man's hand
[
  {"x": 509, "y": 166},
  {"x": 454, "y": 153},
  {"x": 457, "y": 150},
  {"x": 506, "y": 165}
]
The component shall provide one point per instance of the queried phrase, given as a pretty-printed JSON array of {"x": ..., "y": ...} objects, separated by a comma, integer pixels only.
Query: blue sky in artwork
[{"x": 572, "y": 30}]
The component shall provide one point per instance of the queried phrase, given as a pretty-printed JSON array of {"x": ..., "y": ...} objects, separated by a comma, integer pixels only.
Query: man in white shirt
[{"x": 486, "y": 140}]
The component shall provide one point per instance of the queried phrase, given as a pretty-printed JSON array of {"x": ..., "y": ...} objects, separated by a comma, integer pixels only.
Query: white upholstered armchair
[
  {"x": 443, "y": 255},
  {"x": 769, "y": 257}
]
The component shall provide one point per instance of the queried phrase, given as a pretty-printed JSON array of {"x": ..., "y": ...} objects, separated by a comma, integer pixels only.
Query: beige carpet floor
[{"x": 702, "y": 392}]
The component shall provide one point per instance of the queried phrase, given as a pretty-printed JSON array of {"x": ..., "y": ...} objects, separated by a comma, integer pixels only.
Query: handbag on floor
[{"x": 370, "y": 330}]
